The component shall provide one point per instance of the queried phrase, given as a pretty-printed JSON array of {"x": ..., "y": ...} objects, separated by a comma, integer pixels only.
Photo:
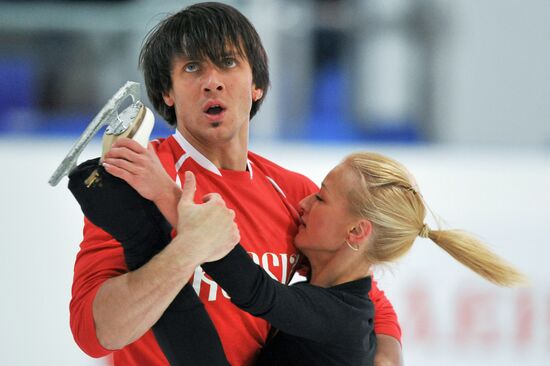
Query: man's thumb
[{"x": 189, "y": 188}]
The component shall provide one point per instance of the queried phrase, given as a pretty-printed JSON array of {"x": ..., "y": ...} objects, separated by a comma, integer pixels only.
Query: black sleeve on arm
[
  {"x": 302, "y": 310},
  {"x": 185, "y": 331}
]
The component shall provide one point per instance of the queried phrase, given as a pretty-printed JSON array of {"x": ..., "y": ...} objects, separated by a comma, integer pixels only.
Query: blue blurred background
[
  {"x": 376, "y": 70},
  {"x": 457, "y": 90}
]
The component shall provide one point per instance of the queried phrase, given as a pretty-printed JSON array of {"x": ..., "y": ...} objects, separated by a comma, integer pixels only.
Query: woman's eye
[
  {"x": 318, "y": 198},
  {"x": 191, "y": 67},
  {"x": 229, "y": 62}
]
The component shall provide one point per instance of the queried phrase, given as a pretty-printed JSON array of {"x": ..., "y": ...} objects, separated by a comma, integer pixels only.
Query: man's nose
[{"x": 212, "y": 80}]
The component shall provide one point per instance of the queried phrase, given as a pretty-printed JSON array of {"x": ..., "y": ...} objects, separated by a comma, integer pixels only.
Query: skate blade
[{"x": 107, "y": 116}]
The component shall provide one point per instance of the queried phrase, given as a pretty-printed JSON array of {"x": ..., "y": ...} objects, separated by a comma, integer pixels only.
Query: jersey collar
[{"x": 200, "y": 158}]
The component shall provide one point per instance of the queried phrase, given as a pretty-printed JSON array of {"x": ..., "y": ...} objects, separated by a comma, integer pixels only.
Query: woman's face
[{"x": 326, "y": 216}]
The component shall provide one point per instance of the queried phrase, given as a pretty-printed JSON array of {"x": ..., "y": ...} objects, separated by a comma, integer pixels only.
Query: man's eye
[
  {"x": 191, "y": 67},
  {"x": 229, "y": 62},
  {"x": 318, "y": 198}
]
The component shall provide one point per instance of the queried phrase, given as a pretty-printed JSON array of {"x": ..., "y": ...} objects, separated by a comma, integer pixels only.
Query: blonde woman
[{"x": 368, "y": 211}]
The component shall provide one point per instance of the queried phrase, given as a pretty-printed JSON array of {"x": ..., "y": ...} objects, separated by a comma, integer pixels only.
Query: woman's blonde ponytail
[
  {"x": 474, "y": 254},
  {"x": 388, "y": 197}
]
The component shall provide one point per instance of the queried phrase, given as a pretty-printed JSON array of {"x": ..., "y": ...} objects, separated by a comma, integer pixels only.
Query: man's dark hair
[{"x": 202, "y": 31}]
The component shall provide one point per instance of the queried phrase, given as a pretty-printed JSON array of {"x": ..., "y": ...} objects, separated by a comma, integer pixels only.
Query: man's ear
[
  {"x": 168, "y": 100},
  {"x": 360, "y": 232},
  {"x": 257, "y": 94}
]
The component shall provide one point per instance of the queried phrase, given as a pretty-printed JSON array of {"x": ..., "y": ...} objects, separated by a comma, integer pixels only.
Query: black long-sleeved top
[{"x": 316, "y": 325}]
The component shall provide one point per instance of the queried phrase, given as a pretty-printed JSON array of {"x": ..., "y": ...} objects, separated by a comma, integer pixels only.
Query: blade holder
[{"x": 124, "y": 119}]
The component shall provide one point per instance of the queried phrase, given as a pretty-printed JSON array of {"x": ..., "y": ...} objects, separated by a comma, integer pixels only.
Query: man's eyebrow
[
  {"x": 323, "y": 185},
  {"x": 233, "y": 54},
  {"x": 184, "y": 58}
]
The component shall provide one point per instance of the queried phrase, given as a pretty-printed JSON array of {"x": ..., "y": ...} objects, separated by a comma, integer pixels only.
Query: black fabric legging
[{"x": 184, "y": 332}]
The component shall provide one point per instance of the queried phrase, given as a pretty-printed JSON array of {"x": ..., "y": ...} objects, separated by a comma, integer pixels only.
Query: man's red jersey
[{"x": 264, "y": 199}]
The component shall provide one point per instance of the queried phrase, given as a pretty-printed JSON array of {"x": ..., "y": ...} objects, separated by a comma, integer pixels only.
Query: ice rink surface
[{"x": 448, "y": 315}]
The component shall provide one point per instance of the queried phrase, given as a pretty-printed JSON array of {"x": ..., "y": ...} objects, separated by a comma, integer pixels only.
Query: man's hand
[
  {"x": 208, "y": 230},
  {"x": 143, "y": 171},
  {"x": 139, "y": 167}
]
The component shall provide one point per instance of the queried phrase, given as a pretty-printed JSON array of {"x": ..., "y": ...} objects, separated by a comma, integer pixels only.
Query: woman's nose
[{"x": 305, "y": 204}]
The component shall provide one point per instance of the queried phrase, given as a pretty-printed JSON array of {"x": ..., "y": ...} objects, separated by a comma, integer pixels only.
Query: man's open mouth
[{"x": 214, "y": 110}]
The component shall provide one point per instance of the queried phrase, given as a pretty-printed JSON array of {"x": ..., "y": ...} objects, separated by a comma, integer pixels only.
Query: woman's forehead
[{"x": 341, "y": 176}]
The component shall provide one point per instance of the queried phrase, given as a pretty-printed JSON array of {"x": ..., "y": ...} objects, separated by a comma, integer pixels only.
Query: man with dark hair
[
  {"x": 172, "y": 38},
  {"x": 206, "y": 73}
]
